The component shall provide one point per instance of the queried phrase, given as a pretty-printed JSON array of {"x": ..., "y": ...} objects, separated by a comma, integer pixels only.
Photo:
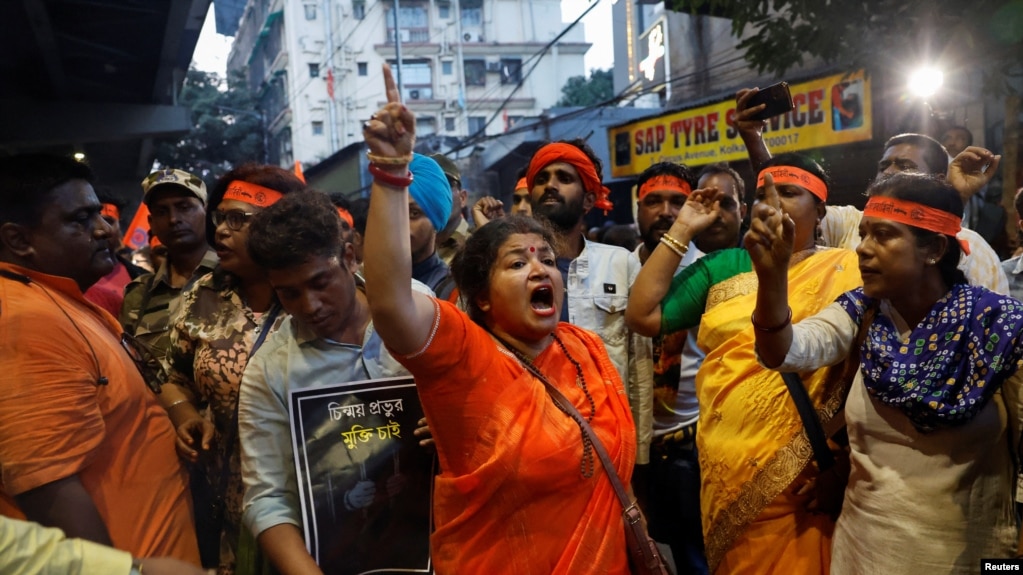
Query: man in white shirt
[{"x": 564, "y": 179}]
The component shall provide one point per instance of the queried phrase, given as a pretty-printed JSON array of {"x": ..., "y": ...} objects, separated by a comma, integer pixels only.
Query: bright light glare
[
  {"x": 79, "y": 156},
  {"x": 925, "y": 82}
]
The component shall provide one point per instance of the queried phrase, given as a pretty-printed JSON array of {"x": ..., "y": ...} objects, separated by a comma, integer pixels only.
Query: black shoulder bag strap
[
  {"x": 814, "y": 430},
  {"x": 232, "y": 430}
]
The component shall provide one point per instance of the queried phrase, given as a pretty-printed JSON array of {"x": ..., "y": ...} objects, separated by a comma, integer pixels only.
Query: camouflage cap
[
  {"x": 448, "y": 167},
  {"x": 188, "y": 181}
]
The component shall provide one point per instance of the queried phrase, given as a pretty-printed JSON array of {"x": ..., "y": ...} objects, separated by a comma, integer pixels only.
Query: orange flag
[
  {"x": 137, "y": 234},
  {"x": 298, "y": 171}
]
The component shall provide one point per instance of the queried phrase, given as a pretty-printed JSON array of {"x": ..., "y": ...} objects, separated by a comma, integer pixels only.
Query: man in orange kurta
[{"x": 84, "y": 446}]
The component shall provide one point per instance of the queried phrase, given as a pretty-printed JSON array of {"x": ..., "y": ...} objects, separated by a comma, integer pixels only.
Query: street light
[
  {"x": 924, "y": 82},
  {"x": 262, "y": 126}
]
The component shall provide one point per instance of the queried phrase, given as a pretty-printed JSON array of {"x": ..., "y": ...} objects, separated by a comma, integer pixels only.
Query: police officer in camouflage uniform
[{"x": 177, "y": 216}]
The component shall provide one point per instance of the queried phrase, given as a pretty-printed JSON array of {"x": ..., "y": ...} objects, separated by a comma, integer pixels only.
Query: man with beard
[
  {"x": 672, "y": 487},
  {"x": 84, "y": 444},
  {"x": 565, "y": 183},
  {"x": 177, "y": 217}
]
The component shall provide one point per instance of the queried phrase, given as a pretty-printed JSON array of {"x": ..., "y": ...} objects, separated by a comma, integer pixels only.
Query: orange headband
[
  {"x": 795, "y": 176},
  {"x": 346, "y": 216},
  {"x": 562, "y": 152},
  {"x": 252, "y": 194},
  {"x": 110, "y": 210},
  {"x": 665, "y": 183},
  {"x": 521, "y": 184},
  {"x": 916, "y": 215}
]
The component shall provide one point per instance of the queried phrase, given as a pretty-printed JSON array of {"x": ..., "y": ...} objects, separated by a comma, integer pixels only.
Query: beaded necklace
[{"x": 586, "y": 465}]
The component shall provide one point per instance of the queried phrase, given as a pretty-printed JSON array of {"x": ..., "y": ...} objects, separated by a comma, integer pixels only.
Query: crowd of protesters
[{"x": 149, "y": 411}]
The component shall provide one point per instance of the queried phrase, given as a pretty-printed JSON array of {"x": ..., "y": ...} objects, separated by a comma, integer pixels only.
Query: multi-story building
[{"x": 467, "y": 66}]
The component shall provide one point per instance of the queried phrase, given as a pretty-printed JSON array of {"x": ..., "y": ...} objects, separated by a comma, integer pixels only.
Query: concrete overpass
[{"x": 96, "y": 76}]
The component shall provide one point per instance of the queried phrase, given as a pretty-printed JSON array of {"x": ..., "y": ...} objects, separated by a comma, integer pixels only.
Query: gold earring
[{"x": 932, "y": 261}]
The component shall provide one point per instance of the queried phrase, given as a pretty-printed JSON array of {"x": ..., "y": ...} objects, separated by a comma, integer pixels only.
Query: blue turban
[{"x": 431, "y": 190}]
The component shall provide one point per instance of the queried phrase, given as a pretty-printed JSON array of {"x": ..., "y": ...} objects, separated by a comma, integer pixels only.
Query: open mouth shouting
[{"x": 542, "y": 300}]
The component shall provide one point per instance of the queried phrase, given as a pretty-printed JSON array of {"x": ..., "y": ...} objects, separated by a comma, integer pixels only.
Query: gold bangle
[
  {"x": 672, "y": 247},
  {"x": 389, "y": 160},
  {"x": 677, "y": 246},
  {"x": 180, "y": 401}
]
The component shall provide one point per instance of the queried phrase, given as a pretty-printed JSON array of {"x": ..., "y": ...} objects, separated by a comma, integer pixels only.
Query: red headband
[
  {"x": 110, "y": 210},
  {"x": 916, "y": 215},
  {"x": 252, "y": 194},
  {"x": 795, "y": 176},
  {"x": 521, "y": 184},
  {"x": 665, "y": 183},
  {"x": 561, "y": 152},
  {"x": 346, "y": 216}
]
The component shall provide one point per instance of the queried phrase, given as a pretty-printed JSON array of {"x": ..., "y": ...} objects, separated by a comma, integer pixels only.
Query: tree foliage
[
  {"x": 226, "y": 127},
  {"x": 984, "y": 35},
  {"x": 580, "y": 91}
]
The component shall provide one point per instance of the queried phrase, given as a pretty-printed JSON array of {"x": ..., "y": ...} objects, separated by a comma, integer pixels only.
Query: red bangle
[
  {"x": 775, "y": 329},
  {"x": 388, "y": 178}
]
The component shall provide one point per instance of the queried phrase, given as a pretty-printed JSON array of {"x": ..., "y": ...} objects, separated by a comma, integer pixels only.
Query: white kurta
[{"x": 917, "y": 503}]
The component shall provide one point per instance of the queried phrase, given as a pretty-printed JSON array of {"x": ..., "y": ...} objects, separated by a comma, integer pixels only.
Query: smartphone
[{"x": 778, "y": 100}]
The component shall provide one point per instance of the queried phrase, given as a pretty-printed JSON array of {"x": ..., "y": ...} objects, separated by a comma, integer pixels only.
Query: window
[
  {"x": 475, "y": 72},
  {"x": 359, "y": 9},
  {"x": 310, "y": 11},
  {"x": 417, "y": 77},
  {"x": 511, "y": 70},
  {"x": 363, "y": 69},
  {"x": 476, "y": 124},
  {"x": 317, "y": 128},
  {"x": 444, "y": 10},
  {"x": 449, "y": 124},
  {"x": 472, "y": 13},
  {"x": 446, "y": 67},
  {"x": 414, "y": 22},
  {"x": 425, "y": 125},
  {"x": 314, "y": 70}
]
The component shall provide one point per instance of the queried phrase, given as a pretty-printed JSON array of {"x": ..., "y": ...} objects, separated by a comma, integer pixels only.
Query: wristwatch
[{"x": 136, "y": 567}]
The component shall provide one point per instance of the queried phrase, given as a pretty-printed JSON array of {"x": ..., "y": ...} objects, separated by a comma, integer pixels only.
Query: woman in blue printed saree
[{"x": 933, "y": 413}]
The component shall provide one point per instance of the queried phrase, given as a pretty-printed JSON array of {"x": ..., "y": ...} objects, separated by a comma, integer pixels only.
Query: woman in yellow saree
[{"x": 755, "y": 459}]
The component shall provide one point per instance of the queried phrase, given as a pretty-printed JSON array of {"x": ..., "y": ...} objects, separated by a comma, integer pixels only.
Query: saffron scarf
[{"x": 953, "y": 361}]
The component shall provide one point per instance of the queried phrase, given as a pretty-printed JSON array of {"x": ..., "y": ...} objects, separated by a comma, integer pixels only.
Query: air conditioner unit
[
  {"x": 472, "y": 37},
  {"x": 413, "y": 94},
  {"x": 494, "y": 67}
]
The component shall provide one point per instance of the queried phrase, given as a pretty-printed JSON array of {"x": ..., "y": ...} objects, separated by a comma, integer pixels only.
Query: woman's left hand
[
  {"x": 771, "y": 233},
  {"x": 391, "y": 131}
]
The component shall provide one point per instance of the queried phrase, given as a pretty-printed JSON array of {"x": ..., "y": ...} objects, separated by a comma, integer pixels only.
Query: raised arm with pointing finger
[
  {"x": 511, "y": 461},
  {"x": 401, "y": 316}
]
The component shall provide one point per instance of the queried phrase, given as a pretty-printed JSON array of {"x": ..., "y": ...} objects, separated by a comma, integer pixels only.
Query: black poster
[{"x": 365, "y": 482}]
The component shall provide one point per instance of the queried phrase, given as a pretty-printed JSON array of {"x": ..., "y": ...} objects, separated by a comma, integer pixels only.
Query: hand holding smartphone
[{"x": 778, "y": 100}]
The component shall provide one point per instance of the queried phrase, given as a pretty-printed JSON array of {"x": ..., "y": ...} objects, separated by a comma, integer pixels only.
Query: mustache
[{"x": 551, "y": 195}]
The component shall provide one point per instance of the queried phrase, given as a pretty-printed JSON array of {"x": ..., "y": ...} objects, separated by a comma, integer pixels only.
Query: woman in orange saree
[{"x": 755, "y": 459}]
